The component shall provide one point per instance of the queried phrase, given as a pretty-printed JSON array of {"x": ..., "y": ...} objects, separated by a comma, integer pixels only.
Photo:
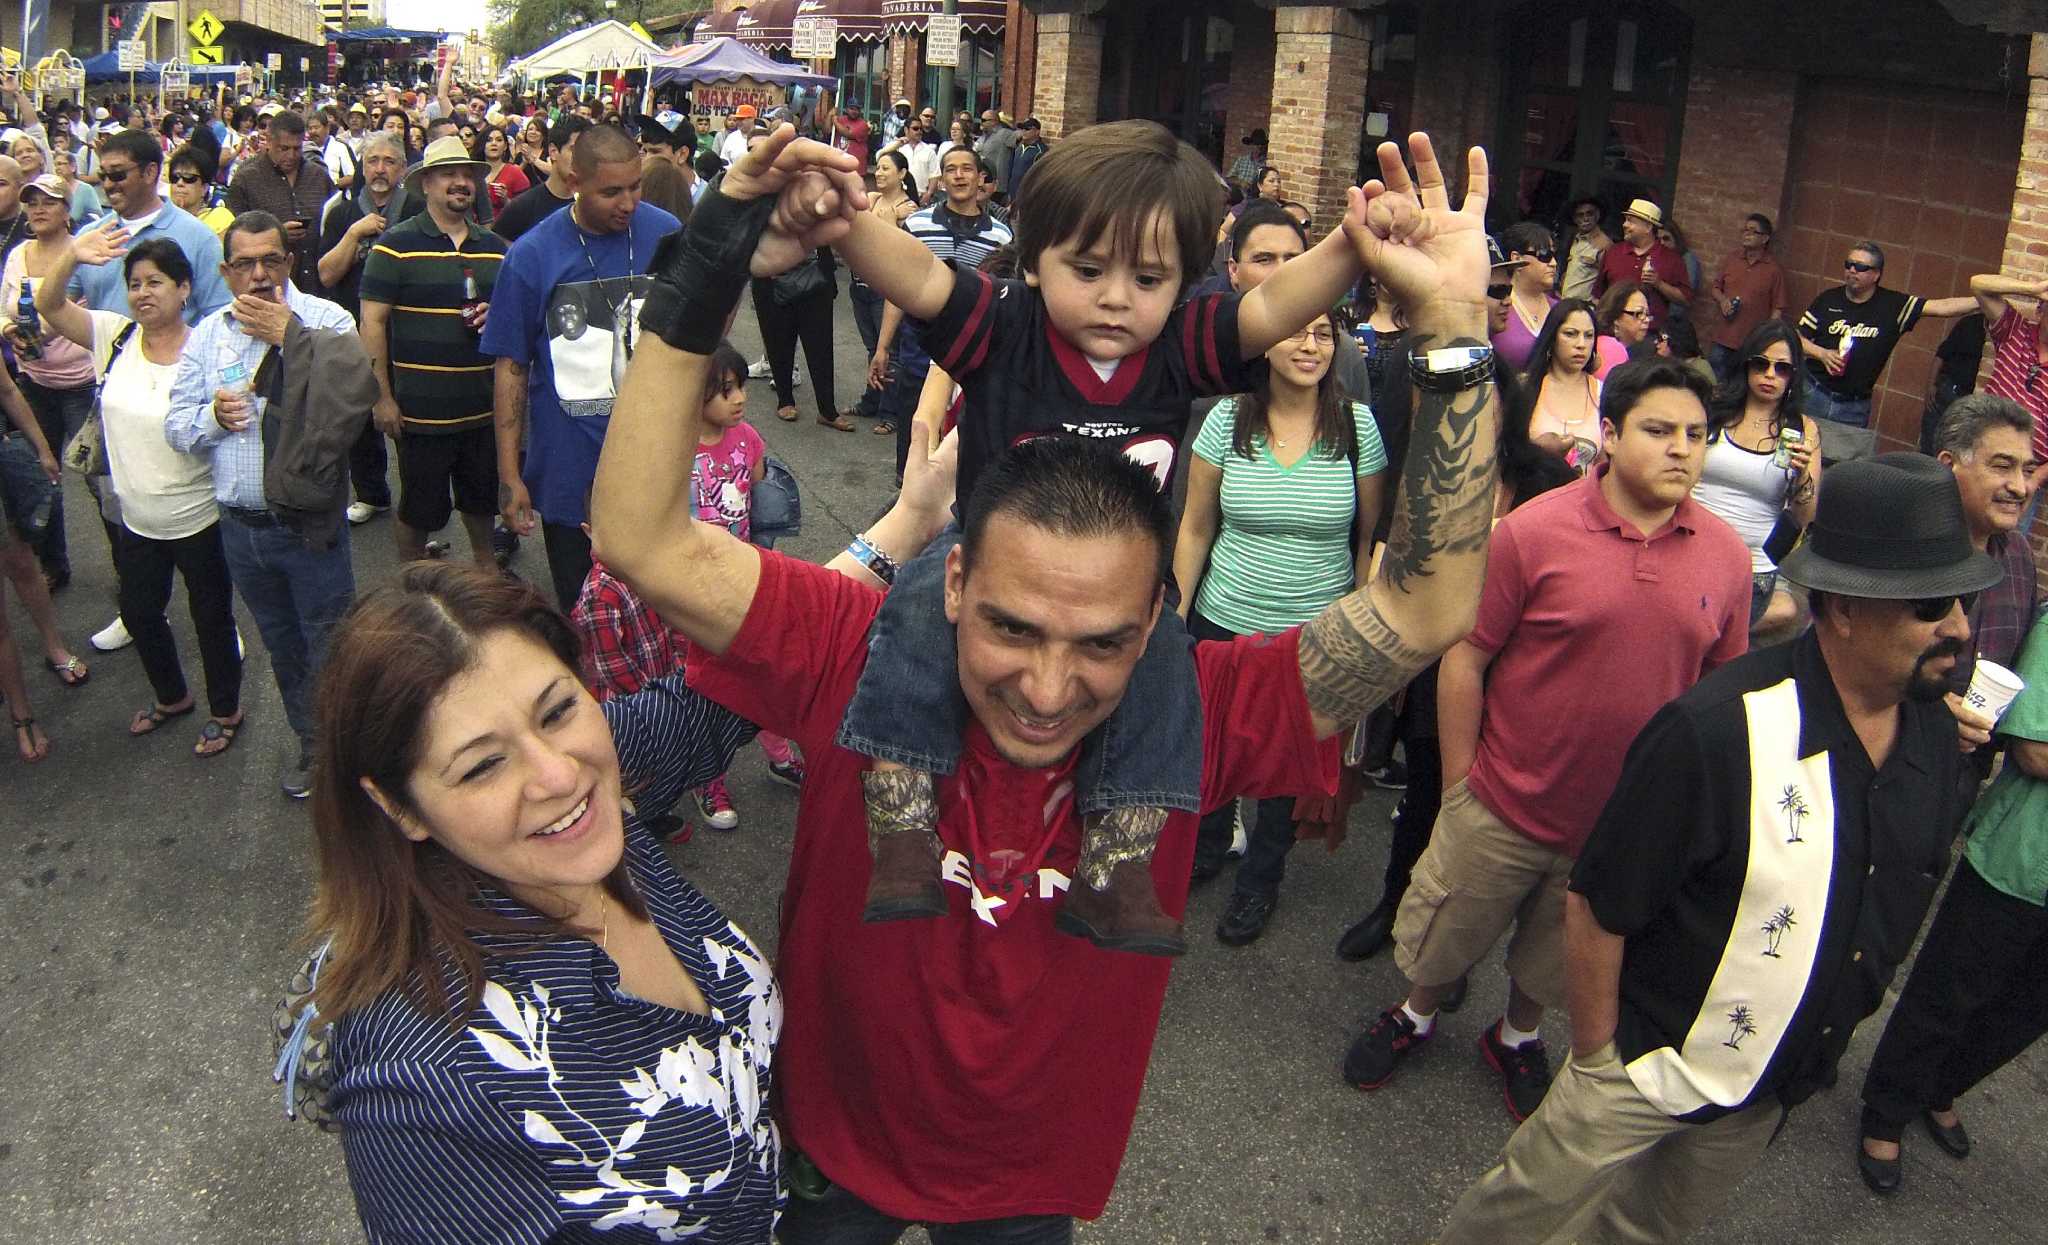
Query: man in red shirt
[
  {"x": 1749, "y": 289},
  {"x": 979, "y": 1071},
  {"x": 2019, "y": 366},
  {"x": 850, "y": 133},
  {"x": 1603, "y": 600},
  {"x": 1646, "y": 261}
]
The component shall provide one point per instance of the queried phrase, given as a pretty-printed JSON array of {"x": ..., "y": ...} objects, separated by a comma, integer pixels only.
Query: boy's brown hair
[{"x": 1111, "y": 179}]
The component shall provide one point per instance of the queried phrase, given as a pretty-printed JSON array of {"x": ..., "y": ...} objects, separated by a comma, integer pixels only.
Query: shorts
[
  {"x": 1477, "y": 875},
  {"x": 434, "y": 465}
]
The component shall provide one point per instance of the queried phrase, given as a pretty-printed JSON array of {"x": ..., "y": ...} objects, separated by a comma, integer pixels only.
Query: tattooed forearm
[
  {"x": 1446, "y": 504},
  {"x": 1352, "y": 659}
]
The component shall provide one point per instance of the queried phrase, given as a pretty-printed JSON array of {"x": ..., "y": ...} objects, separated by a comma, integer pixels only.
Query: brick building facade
[{"x": 1919, "y": 124}]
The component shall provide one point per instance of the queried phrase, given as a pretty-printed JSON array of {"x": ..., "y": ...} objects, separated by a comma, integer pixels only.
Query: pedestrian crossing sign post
[
  {"x": 208, "y": 55},
  {"x": 207, "y": 29}
]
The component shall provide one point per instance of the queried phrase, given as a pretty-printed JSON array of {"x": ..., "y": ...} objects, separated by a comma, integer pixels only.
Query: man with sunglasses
[
  {"x": 131, "y": 164},
  {"x": 1754, "y": 880},
  {"x": 1850, "y": 332}
]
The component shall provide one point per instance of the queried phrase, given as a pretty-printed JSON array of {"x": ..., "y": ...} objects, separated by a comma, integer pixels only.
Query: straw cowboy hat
[{"x": 445, "y": 152}]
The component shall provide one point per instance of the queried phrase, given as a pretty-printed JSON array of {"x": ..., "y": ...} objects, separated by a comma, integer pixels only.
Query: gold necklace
[{"x": 604, "y": 916}]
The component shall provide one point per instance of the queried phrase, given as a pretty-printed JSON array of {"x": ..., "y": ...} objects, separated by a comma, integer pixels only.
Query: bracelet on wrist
[{"x": 878, "y": 563}]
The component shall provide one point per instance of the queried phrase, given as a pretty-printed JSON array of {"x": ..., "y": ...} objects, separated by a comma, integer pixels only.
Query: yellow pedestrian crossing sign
[
  {"x": 208, "y": 56},
  {"x": 206, "y": 28}
]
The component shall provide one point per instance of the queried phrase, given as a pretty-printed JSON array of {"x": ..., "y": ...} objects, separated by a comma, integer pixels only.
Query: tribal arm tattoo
[{"x": 1365, "y": 647}]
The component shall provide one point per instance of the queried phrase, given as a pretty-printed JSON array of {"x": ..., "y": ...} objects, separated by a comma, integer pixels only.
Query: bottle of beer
[
  {"x": 472, "y": 302},
  {"x": 31, "y": 323}
]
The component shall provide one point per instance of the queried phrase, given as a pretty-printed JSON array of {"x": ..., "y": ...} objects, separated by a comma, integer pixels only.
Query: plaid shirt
[
  {"x": 2004, "y": 614},
  {"x": 625, "y": 645}
]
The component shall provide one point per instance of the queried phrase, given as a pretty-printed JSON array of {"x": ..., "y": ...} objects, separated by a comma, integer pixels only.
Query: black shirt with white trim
[{"x": 1767, "y": 878}]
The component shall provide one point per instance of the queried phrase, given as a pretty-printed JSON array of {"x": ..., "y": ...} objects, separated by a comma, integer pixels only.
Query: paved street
[{"x": 153, "y": 902}]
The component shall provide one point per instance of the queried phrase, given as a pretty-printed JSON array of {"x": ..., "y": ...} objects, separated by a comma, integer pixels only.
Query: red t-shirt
[
  {"x": 2016, "y": 358},
  {"x": 1592, "y": 629},
  {"x": 980, "y": 1065}
]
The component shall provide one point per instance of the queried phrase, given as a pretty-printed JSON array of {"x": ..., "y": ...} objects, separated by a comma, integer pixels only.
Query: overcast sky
[{"x": 455, "y": 16}]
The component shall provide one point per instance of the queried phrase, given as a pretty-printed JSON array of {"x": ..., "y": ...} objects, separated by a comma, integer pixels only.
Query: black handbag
[{"x": 806, "y": 280}]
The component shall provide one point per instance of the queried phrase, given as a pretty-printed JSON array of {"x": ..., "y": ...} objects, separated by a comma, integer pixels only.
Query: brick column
[
  {"x": 906, "y": 68},
  {"x": 1248, "y": 97},
  {"x": 1319, "y": 60},
  {"x": 1068, "y": 79}
]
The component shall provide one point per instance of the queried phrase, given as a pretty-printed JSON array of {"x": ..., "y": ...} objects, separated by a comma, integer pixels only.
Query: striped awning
[{"x": 980, "y": 16}]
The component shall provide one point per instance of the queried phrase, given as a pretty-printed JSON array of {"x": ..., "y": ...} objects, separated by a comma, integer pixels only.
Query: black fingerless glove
[{"x": 700, "y": 271}]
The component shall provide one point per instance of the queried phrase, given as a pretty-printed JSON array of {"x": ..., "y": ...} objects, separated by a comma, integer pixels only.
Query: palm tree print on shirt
[
  {"x": 1741, "y": 1024},
  {"x": 1794, "y": 804},
  {"x": 1774, "y": 929}
]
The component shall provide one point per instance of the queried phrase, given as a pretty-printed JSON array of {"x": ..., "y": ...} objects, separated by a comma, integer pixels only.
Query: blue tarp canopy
[
  {"x": 382, "y": 34},
  {"x": 106, "y": 67},
  {"x": 726, "y": 59}
]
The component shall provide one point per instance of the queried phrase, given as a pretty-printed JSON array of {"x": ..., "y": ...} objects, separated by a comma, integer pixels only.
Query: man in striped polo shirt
[
  {"x": 960, "y": 231},
  {"x": 426, "y": 289}
]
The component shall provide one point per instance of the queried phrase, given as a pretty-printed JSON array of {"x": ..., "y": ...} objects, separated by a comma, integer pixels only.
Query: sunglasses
[
  {"x": 1640, "y": 313},
  {"x": 1934, "y": 609},
  {"x": 1541, "y": 257},
  {"x": 187, "y": 179},
  {"x": 1758, "y": 365},
  {"x": 1854, "y": 266},
  {"x": 1499, "y": 293}
]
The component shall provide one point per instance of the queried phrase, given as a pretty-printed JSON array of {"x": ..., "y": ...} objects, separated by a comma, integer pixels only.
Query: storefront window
[
  {"x": 863, "y": 73},
  {"x": 1596, "y": 89},
  {"x": 978, "y": 81}
]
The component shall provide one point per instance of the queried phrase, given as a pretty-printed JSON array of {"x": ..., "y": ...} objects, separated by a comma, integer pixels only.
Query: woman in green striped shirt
[{"x": 1283, "y": 488}]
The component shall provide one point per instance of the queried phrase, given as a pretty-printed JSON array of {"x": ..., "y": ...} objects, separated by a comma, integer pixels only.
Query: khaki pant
[
  {"x": 1599, "y": 1165},
  {"x": 1477, "y": 875}
]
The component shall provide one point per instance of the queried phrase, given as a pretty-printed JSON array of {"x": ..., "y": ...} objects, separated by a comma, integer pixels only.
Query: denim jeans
[
  {"x": 60, "y": 412},
  {"x": 899, "y": 398},
  {"x": 840, "y": 1218},
  {"x": 1821, "y": 404},
  {"x": 29, "y": 502},
  {"x": 1725, "y": 360},
  {"x": 908, "y": 708},
  {"x": 867, "y": 317},
  {"x": 296, "y": 595}
]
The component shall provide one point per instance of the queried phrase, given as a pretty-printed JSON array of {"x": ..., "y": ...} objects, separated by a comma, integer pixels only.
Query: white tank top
[{"x": 1746, "y": 489}]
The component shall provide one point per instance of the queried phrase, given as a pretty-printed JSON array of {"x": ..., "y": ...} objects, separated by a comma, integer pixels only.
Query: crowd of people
[{"x": 1443, "y": 490}]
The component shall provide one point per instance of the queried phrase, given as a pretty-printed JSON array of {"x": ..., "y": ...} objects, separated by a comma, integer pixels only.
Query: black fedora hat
[{"x": 1892, "y": 528}]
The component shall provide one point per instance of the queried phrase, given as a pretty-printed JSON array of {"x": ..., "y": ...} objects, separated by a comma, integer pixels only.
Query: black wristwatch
[{"x": 1451, "y": 369}]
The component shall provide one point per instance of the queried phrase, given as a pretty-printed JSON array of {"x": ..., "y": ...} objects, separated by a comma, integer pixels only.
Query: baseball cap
[
  {"x": 49, "y": 183},
  {"x": 746, "y": 110}
]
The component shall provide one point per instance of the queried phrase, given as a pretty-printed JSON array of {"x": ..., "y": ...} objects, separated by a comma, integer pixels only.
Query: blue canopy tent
[
  {"x": 106, "y": 67},
  {"x": 213, "y": 73},
  {"x": 382, "y": 34}
]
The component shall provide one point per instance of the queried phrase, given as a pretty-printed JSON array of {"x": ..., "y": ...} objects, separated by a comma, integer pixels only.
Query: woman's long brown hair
[
  {"x": 401, "y": 914},
  {"x": 1336, "y": 434}
]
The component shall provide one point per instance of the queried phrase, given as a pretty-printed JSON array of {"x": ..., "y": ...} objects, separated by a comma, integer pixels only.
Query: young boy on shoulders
[{"x": 1112, "y": 228}]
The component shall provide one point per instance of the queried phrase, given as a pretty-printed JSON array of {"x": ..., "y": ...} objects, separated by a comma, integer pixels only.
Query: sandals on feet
[
  {"x": 216, "y": 731},
  {"x": 787, "y": 414},
  {"x": 147, "y": 720},
  {"x": 883, "y": 428},
  {"x": 837, "y": 422},
  {"x": 26, "y": 727},
  {"x": 71, "y": 673}
]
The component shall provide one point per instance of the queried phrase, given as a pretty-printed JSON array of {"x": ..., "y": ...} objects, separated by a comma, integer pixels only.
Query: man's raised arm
[
  {"x": 698, "y": 577},
  {"x": 1366, "y": 646}
]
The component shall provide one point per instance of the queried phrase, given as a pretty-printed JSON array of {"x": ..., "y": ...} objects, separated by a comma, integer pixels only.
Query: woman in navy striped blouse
[{"x": 540, "y": 1031}]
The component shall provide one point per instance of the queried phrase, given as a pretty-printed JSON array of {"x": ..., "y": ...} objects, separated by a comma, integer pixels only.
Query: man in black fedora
[{"x": 1755, "y": 879}]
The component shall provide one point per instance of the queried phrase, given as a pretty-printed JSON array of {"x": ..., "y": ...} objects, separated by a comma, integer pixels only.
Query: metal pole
[{"x": 942, "y": 104}]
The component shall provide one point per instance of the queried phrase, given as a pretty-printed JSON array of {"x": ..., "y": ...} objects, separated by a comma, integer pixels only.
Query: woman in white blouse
[{"x": 165, "y": 518}]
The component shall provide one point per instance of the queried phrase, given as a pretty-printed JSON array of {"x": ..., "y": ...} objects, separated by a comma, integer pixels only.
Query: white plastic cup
[{"x": 1992, "y": 688}]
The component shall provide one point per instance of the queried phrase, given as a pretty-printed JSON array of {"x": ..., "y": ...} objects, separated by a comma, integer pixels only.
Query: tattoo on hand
[
  {"x": 504, "y": 495},
  {"x": 1352, "y": 659},
  {"x": 1446, "y": 489}
]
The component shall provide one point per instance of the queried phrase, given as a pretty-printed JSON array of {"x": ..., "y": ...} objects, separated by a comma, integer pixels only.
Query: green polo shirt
[
  {"x": 441, "y": 380},
  {"x": 2009, "y": 825}
]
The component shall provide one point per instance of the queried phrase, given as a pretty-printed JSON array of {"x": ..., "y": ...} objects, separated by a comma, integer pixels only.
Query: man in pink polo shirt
[{"x": 1604, "y": 600}]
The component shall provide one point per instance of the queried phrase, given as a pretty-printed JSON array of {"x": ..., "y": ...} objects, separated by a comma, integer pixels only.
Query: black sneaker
[
  {"x": 1524, "y": 1071},
  {"x": 1371, "y": 1061},
  {"x": 1244, "y": 919},
  {"x": 504, "y": 545},
  {"x": 1393, "y": 776}
]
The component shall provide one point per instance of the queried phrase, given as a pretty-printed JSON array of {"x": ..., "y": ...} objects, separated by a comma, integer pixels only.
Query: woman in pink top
[
  {"x": 56, "y": 376},
  {"x": 1560, "y": 374},
  {"x": 1530, "y": 296},
  {"x": 1624, "y": 323}
]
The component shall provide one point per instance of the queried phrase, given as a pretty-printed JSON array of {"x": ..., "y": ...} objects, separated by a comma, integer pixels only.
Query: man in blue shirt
[
  {"x": 563, "y": 317},
  {"x": 295, "y": 592},
  {"x": 131, "y": 168}
]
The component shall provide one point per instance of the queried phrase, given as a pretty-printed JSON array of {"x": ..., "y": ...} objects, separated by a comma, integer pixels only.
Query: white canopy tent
[{"x": 607, "y": 45}]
